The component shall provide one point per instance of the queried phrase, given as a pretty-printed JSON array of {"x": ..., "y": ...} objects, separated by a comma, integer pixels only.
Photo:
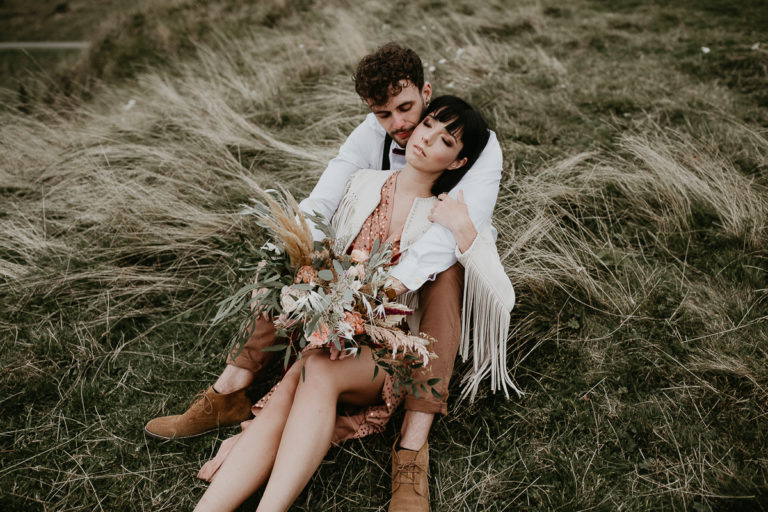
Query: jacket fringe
[
  {"x": 488, "y": 300},
  {"x": 342, "y": 219}
]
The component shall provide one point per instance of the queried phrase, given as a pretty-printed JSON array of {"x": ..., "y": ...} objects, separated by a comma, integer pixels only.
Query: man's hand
[
  {"x": 453, "y": 214},
  {"x": 394, "y": 287},
  {"x": 256, "y": 295}
]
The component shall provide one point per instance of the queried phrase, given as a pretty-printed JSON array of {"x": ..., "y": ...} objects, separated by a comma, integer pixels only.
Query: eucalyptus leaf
[
  {"x": 275, "y": 348},
  {"x": 312, "y": 324}
]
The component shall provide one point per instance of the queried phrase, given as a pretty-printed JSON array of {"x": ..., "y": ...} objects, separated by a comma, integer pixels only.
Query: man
[{"x": 391, "y": 82}]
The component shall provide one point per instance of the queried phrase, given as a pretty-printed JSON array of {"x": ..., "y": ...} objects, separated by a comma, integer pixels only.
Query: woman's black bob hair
[{"x": 464, "y": 123}]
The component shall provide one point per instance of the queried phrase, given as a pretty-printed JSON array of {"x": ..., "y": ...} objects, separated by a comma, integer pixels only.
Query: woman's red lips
[{"x": 419, "y": 149}]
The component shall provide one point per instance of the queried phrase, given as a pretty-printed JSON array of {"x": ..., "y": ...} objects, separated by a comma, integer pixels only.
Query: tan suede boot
[
  {"x": 209, "y": 411},
  {"x": 410, "y": 480}
]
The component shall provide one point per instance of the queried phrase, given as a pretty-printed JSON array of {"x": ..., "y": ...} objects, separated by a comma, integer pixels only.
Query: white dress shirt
[{"x": 435, "y": 251}]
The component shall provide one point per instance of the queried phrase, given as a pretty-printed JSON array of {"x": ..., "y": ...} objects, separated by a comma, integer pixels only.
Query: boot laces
[
  {"x": 202, "y": 400},
  {"x": 407, "y": 471}
]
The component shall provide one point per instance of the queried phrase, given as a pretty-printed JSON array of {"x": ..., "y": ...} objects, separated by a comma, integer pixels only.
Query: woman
[{"x": 286, "y": 442}]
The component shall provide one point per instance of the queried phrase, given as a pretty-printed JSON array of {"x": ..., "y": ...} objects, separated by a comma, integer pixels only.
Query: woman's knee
[
  {"x": 318, "y": 372},
  {"x": 286, "y": 390},
  {"x": 292, "y": 376}
]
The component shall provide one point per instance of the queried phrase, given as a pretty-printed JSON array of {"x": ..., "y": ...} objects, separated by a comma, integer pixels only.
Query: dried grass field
[{"x": 633, "y": 222}]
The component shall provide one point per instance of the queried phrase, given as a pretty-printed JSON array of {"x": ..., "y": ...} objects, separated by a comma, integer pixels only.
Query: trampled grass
[{"x": 633, "y": 221}]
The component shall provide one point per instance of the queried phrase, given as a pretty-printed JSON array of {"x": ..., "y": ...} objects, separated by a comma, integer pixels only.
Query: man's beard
[{"x": 399, "y": 139}]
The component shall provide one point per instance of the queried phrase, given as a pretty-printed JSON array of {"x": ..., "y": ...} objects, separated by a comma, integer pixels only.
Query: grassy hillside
[{"x": 633, "y": 221}]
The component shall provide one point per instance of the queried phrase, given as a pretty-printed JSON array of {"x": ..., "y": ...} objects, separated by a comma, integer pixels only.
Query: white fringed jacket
[{"x": 488, "y": 293}]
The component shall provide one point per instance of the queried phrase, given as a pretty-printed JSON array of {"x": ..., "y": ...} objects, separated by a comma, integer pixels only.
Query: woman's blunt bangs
[{"x": 464, "y": 123}]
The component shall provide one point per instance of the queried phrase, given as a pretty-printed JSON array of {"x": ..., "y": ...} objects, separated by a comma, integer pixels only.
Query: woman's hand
[
  {"x": 344, "y": 352},
  {"x": 336, "y": 353},
  {"x": 453, "y": 214}
]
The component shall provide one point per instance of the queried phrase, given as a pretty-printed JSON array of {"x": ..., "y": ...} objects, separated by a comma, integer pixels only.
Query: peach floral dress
[{"x": 372, "y": 419}]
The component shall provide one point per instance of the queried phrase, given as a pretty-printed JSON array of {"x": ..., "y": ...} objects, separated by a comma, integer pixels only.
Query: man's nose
[{"x": 400, "y": 122}]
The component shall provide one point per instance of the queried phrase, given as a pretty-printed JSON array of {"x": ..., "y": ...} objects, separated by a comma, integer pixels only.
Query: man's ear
[
  {"x": 426, "y": 92},
  {"x": 457, "y": 163}
]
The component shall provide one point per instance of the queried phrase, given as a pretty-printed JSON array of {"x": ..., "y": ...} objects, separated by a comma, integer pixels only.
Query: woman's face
[{"x": 432, "y": 148}]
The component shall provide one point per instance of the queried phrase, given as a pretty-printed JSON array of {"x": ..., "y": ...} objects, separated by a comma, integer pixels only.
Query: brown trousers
[{"x": 440, "y": 305}]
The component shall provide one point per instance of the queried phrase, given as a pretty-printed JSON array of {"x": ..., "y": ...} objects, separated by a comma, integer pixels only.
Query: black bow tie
[{"x": 398, "y": 151}]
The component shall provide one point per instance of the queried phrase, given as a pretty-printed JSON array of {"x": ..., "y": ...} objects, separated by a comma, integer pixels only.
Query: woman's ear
[{"x": 457, "y": 163}]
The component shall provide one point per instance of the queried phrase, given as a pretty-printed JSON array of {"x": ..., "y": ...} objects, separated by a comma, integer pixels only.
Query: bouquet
[{"x": 318, "y": 297}]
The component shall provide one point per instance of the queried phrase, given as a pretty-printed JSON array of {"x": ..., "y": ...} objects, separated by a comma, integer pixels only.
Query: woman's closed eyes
[{"x": 428, "y": 123}]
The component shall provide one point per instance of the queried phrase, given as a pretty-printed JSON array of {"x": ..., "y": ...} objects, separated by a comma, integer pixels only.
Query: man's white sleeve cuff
[{"x": 409, "y": 274}]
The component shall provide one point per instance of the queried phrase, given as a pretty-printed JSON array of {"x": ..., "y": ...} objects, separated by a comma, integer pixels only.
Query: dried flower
[
  {"x": 355, "y": 320},
  {"x": 305, "y": 274},
  {"x": 356, "y": 271},
  {"x": 289, "y": 298},
  {"x": 401, "y": 343},
  {"x": 359, "y": 256},
  {"x": 319, "y": 256},
  {"x": 318, "y": 338}
]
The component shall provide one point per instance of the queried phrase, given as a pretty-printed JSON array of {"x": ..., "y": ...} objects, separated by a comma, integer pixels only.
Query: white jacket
[
  {"x": 435, "y": 251},
  {"x": 361, "y": 196},
  {"x": 488, "y": 293}
]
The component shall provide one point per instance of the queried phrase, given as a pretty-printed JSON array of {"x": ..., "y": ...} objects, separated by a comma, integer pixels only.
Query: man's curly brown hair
[{"x": 379, "y": 74}]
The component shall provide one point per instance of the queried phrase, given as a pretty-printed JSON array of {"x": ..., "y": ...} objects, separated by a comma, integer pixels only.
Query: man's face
[{"x": 402, "y": 112}]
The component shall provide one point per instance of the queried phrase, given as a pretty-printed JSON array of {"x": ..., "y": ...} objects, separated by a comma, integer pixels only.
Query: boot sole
[{"x": 169, "y": 438}]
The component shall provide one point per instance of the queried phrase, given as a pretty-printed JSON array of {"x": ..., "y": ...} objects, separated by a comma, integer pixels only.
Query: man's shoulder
[
  {"x": 373, "y": 124},
  {"x": 491, "y": 156},
  {"x": 493, "y": 143},
  {"x": 370, "y": 128},
  {"x": 365, "y": 135}
]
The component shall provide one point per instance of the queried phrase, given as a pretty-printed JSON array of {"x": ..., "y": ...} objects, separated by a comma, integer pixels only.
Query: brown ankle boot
[
  {"x": 410, "y": 480},
  {"x": 209, "y": 411}
]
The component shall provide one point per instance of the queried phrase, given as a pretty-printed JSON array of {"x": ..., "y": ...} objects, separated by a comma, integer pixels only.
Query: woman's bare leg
[
  {"x": 308, "y": 432},
  {"x": 248, "y": 465}
]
